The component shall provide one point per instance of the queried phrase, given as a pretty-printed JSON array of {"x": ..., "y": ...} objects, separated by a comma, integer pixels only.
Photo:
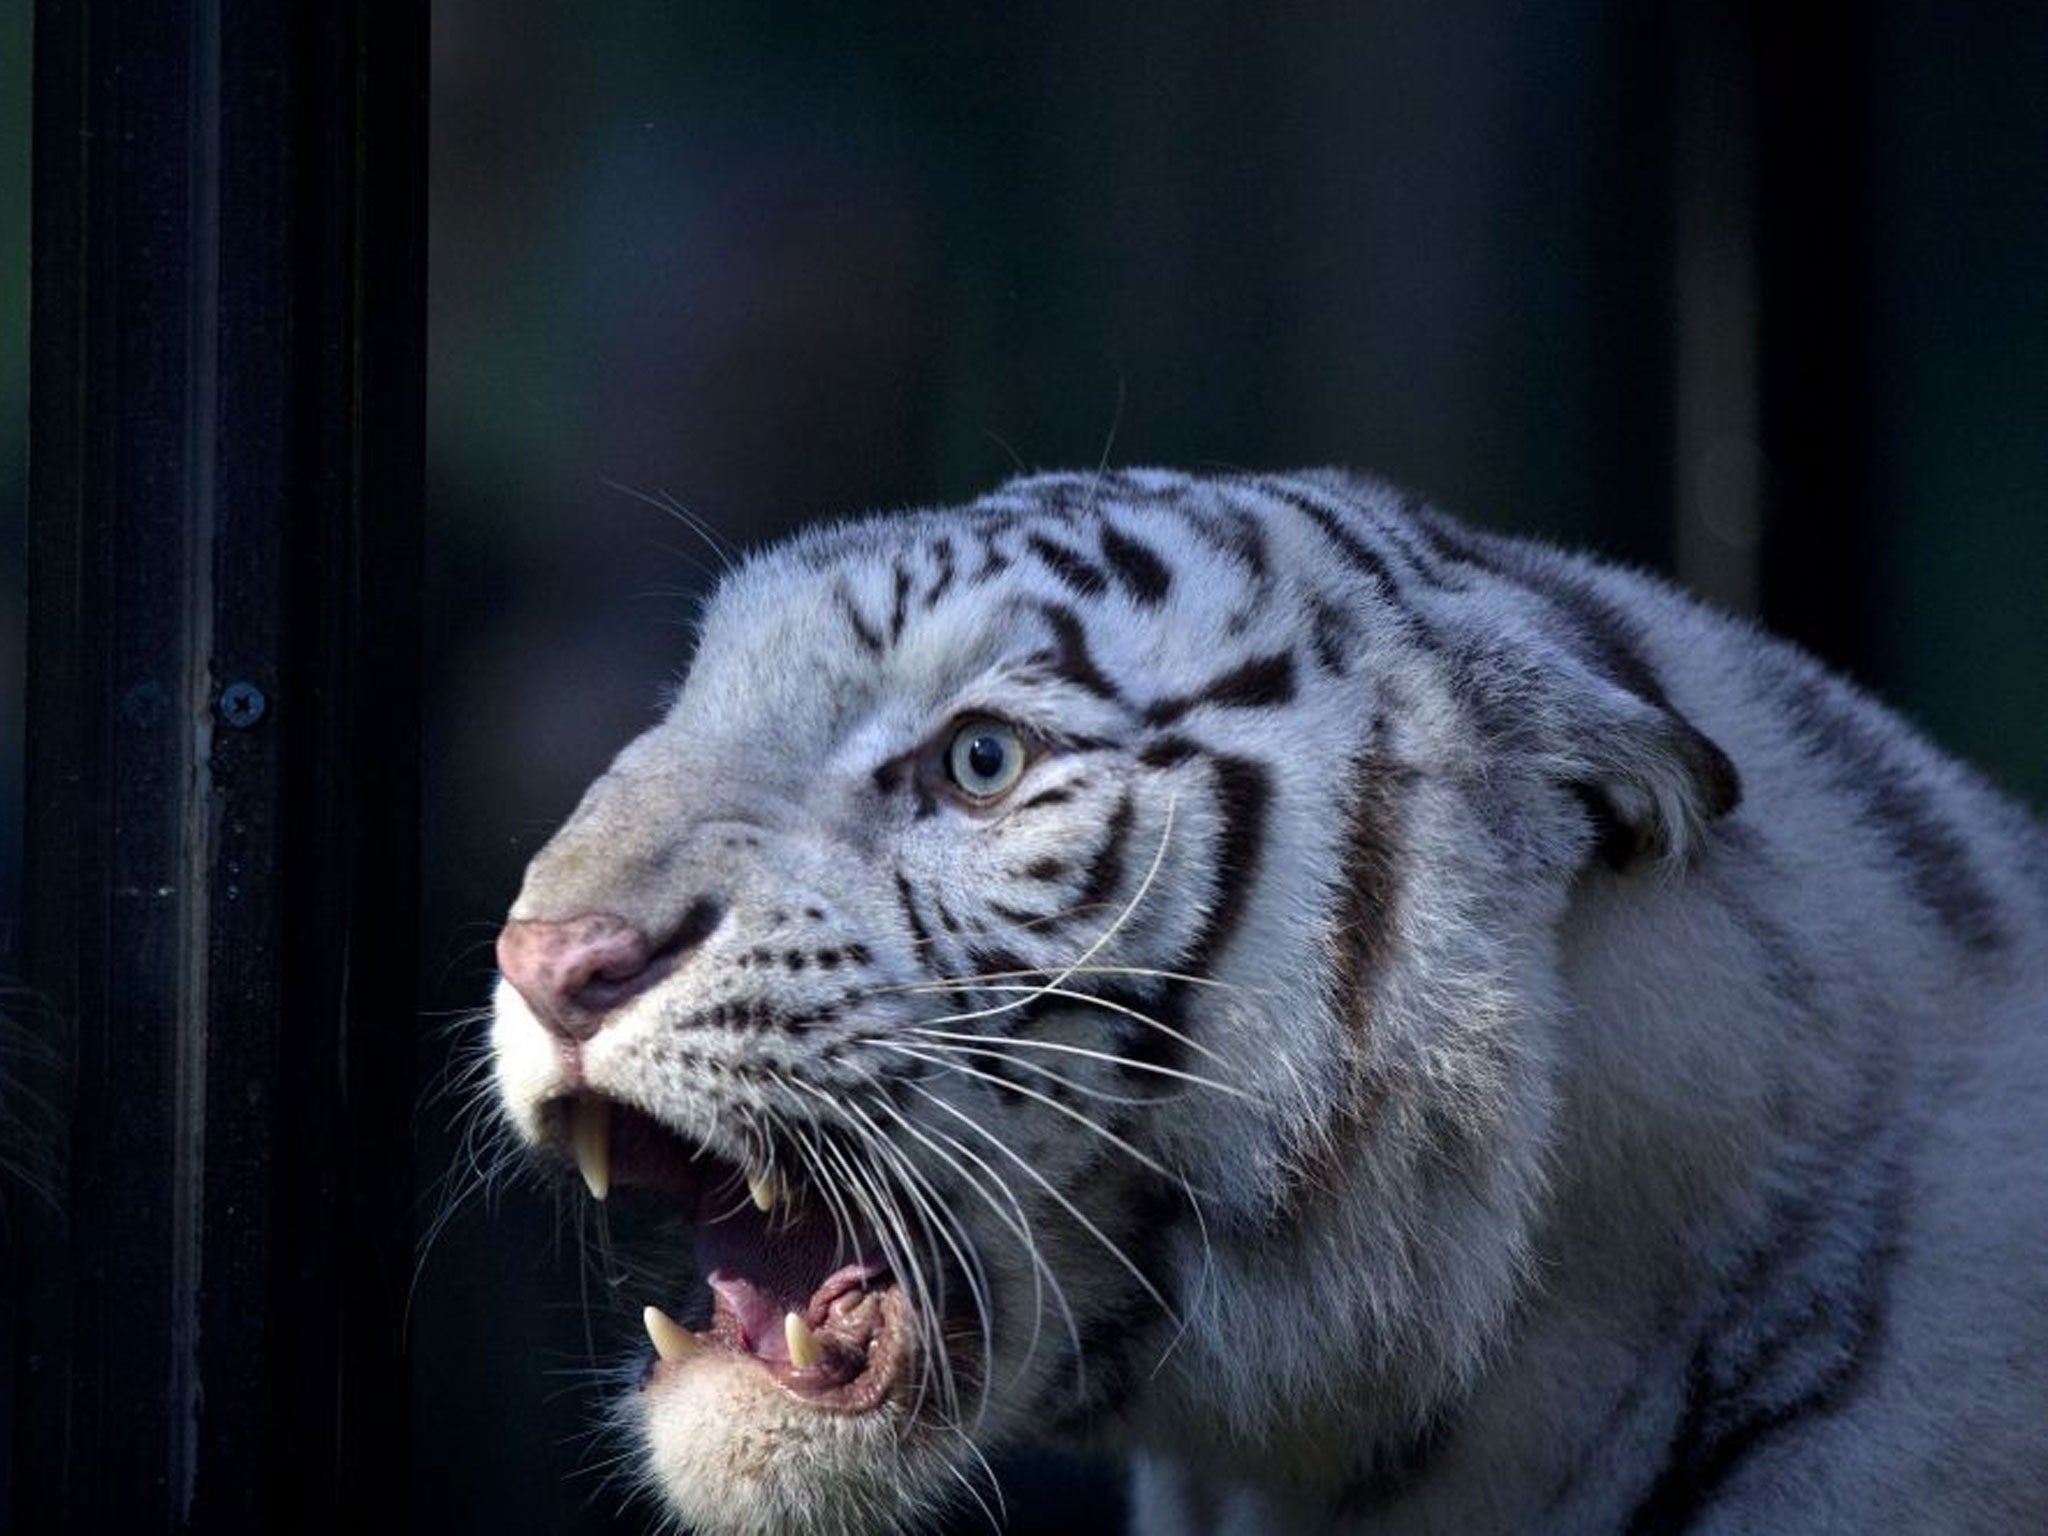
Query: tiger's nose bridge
[{"x": 576, "y": 972}]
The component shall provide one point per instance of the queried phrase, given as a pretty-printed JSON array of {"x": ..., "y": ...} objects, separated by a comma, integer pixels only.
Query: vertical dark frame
[
  {"x": 1821, "y": 571},
  {"x": 226, "y": 422}
]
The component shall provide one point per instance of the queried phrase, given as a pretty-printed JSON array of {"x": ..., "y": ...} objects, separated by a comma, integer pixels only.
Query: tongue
[
  {"x": 755, "y": 1315},
  {"x": 763, "y": 1266},
  {"x": 783, "y": 1255}
]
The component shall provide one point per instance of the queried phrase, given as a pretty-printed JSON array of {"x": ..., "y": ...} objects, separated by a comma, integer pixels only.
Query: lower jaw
[
  {"x": 734, "y": 1452},
  {"x": 739, "y": 1446}
]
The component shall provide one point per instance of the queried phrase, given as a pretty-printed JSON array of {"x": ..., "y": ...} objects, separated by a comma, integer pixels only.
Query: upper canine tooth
[
  {"x": 672, "y": 1341},
  {"x": 762, "y": 1188},
  {"x": 590, "y": 1134},
  {"x": 804, "y": 1349}
]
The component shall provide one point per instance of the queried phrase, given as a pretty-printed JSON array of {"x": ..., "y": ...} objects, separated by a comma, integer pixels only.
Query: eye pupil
[{"x": 985, "y": 757}]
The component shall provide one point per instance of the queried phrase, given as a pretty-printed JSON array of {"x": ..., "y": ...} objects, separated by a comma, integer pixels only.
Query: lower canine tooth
[
  {"x": 590, "y": 1135},
  {"x": 804, "y": 1348},
  {"x": 672, "y": 1341}
]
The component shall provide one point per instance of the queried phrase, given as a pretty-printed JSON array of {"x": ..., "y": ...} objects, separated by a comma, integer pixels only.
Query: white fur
[{"x": 1762, "y": 1107}]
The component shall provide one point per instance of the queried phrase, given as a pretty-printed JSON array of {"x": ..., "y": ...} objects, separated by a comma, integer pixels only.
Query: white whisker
[
  {"x": 1028, "y": 994},
  {"x": 899, "y": 1244},
  {"x": 1149, "y": 973},
  {"x": 931, "y": 1217},
  {"x": 1110, "y": 1058},
  {"x": 1144, "y": 1159},
  {"x": 1109, "y": 1244},
  {"x": 990, "y": 1051},
  {"x": 722, "y": 548},
  {"x": 1020, "y": 1226}
]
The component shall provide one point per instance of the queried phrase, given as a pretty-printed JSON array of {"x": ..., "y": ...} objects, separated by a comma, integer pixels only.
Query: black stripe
[
  {"x": 1070, "y": 661},
  {"x": 1119, "y": 1338},
  {"x": 1018, "y": 917},
  {"x": 1130, "y": 490},
  {"x": 1261, "y": 683},
  {"x": 869, "y": 640},
  {"x": 1076, "y": 572},
  {"x": 1360, "y": 946},
  {"x": 900, "y": 602},
  {"x": 1396, "y": 530},
  {"x": 1064, "y": 496},
  {"x": 921, "y": 935},
  {"x": 1243, "y": 792},
  {"x": 1016, "y": 1011},
  {"x": 1610, "y": 643},
  {"x": 1615, "y": 644},
  {"x": 1362, "y": 933},
  {"x": 1059, "y": 794},
  {"x": 1099, "y": 882},
  {"x": 1001, "y": 512},
  {"x": 1004, "y": 963},
  {"x": 1451, "y": 542},
  {"x": 1044, "y": 869},
  {"x": 1354, "y": 549},
  {"x": 1778, "y": 956},
  {"x": 1245, "y": 537},
  {"x": 1136, "y": 567},
  {"x": 1106, "y": 865},
  {"x": 1080, "y": 744},
  {"x": 1892, "y": 801},
  {"x": 943, "y": 553},
  {"x": 1167, "y": 752},
  {"x": 1332, "y": 634},
  {"x": 993, "y": 563},
  {"x": 1734, "y": 1407},
  {"x": 1011, "y": 1082},
  {"x": 1232, "y": 532}
]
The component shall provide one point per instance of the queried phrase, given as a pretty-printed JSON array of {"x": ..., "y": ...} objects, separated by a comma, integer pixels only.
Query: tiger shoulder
[{"x": 1385, "y": 1027}]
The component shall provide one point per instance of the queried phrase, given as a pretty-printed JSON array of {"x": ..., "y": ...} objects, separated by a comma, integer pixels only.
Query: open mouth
[{"x": 792, "y": 1287}]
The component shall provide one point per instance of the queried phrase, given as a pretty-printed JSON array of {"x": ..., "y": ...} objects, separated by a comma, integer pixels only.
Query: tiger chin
[{"x": 1383, "y": 1027}]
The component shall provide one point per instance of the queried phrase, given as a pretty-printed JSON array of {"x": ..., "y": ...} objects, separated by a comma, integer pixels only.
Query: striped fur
[{"x": 1443, "y": 1036}]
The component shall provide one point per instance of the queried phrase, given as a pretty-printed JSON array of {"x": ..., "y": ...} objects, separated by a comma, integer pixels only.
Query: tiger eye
[{"x": 985, "y": 759}]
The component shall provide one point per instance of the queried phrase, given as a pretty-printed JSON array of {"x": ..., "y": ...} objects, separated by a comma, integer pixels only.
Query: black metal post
[
  {"x": 226, "y": 436},
  {"x": 1821, "y": 579}
]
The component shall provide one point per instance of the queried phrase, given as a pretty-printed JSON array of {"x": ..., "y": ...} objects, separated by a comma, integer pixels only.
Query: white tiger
[{"x": 1389, "y": 1028}]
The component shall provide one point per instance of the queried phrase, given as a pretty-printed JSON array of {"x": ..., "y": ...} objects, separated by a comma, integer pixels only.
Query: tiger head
[{"x": 1010, "y": 960}]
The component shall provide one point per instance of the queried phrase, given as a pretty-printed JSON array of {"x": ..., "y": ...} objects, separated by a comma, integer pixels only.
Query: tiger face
[
  {"x": 880, "y": 961},
  {"x": 991, "y": 959}
]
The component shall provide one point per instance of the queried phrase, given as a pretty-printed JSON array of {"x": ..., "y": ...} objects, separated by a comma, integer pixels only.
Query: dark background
[{"x": 1757, "y": 296}]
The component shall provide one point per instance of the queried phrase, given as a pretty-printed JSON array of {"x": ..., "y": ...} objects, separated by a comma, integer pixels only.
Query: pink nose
[{"x": 575, "y": 972}]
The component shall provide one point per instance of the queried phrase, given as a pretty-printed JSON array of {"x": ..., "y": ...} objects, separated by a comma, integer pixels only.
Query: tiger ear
[{"x": 1650, "y": 780}]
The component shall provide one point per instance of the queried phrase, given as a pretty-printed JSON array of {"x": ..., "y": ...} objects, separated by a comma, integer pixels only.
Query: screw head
[{"x": 242, "y": 705}]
